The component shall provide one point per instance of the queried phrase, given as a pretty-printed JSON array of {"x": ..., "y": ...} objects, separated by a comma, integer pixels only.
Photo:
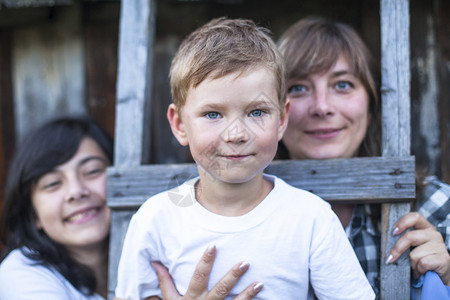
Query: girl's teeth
[{"x": 81, "y": 215}]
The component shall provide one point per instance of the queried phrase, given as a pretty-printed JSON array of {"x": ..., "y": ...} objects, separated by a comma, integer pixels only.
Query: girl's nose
[{"x": 76, "y": 190}]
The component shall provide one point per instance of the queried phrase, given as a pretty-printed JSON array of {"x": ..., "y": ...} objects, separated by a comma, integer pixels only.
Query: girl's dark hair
[{"x": 50, "y": 145}]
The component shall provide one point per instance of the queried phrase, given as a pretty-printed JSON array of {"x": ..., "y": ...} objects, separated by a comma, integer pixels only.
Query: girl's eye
[
  {"x": 344, "y": 85},
  {"x": 51, "y": 185},
  {"x": 212, "y": 115},
  {"x": 93, "y": 168},
  {"x": 93, "y": 172},
  {"x": 48, "y": 182},
  {"x": 256, "y": 113},
  {"x": 295, "y": 89}
]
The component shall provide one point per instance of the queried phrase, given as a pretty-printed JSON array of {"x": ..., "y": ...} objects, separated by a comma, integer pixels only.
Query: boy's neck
[{"x": 231, "y": 199}]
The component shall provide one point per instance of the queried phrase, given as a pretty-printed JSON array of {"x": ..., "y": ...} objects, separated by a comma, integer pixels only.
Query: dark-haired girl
[{"x": 55, "y": 221}]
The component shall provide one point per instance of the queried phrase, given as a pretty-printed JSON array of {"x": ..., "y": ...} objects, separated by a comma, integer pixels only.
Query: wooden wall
[
  {"x": 430, "y": 62},
  {"x": 77, "y": 69},
  {"x": 101, "y": 34}
]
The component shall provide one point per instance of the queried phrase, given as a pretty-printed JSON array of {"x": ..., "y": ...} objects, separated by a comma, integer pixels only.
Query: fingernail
[
  {"x": 395, "y": 231},
  {"x": 389, "y": 259},
  {"x": 258, "y": 287},
  {"x": 244, "y": 266},
  {"x": 211, "y": 249}
]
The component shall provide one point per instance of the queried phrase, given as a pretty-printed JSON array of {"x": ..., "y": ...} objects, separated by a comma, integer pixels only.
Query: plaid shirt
[{"x": 365, "y": 238}]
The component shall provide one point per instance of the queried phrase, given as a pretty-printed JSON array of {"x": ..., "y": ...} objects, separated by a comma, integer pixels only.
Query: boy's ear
[
  {"x": 176, "y": 124},
  {"x": 284, "y": 117}
]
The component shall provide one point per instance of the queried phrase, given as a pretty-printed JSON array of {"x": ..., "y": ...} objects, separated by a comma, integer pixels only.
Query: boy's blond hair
[{"x": 219, "y": 48}]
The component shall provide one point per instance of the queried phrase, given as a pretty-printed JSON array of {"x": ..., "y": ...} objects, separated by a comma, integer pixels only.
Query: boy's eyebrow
[
  {"x": 264, "y": 102},
  {"x": 258, "y": 102},
  {"x": 212, "y": 106}
]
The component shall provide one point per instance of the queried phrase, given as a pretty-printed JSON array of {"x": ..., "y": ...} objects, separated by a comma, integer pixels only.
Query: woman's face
[
  {"x": 70, "y": 201},
  {"x": 329, "y": 114}
]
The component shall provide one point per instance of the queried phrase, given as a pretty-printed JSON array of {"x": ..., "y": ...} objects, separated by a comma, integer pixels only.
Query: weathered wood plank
[
  {"x": 48, "y": 69},
  {"x": 101, "y": 34},
  {"x": 136, "y": 43},
  {"x": 396, "y": 132},
  {"x": 374, "y": 179},
  {"x": 34, "y": 3},
  {"x": 136, "y": 38},
  {"x": 120, "y": 220}
]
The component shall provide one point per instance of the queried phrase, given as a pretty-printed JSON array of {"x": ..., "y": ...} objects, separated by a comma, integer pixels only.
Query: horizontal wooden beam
[
  {"x": 34, "y": 3},
  {"x": 372, "y": 179}
]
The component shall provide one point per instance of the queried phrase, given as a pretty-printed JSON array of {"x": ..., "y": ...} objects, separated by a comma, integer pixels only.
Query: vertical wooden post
[
  {"x": 136, "y": 38},
  {"x": 395, "y": 52}
]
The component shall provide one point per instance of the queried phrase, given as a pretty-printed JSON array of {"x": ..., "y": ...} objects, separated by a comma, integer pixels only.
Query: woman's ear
[
  {"x": 284, "y": 118},
  {"x": 176, "y": 124}
]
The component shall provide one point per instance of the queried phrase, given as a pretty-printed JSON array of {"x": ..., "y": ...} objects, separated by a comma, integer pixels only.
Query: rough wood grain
[
  {"x": 395, "y": 278},
  {"x": 48, "y": 70},
  {"x": 136, "y": 37},
  {"x": 373, "y": 179},
  {"x": 120, "y": 220}
]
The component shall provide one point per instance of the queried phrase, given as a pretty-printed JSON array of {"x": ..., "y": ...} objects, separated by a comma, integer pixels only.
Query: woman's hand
[
  {"x": 430, "y": 252},
  {"x": 198, "y": 286}
]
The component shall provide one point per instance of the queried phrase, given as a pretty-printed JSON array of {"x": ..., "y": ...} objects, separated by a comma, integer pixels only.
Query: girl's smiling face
[
  {"x": 329, "y": 114},
  {"x": 70, "y": 201}
]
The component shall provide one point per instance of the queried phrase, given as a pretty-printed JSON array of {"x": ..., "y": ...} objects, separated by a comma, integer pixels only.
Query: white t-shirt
[
  {"x": 292, "y": 240},
  {"x": 22, "y": 279}
]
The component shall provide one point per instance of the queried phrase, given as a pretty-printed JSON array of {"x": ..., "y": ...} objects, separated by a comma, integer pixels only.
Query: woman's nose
[{"x": 321, "y": 104}]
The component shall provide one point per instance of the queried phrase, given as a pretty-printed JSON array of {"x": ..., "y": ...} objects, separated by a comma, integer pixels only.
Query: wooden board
[
  {"x": 374, "y": 179},
  {"x": 396, "y": 131}
]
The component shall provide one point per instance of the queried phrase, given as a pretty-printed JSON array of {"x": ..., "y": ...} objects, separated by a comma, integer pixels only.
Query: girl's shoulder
[{"x": 36, "y": 281}]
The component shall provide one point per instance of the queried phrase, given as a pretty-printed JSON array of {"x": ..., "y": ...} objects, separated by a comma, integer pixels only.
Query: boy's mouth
[{"x": 235, "y": 156}]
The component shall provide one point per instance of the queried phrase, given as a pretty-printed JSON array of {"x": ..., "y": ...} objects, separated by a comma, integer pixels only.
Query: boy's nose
[{"x": 236, "y": 132}]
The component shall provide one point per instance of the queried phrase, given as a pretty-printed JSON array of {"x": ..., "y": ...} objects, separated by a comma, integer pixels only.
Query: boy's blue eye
[
  {"x": 212, "y": 115},
  {"x": 298, "y": 88},
  {"x": 256, "y": 113}
]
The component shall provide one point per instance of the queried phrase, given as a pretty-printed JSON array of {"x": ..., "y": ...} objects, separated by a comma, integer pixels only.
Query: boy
[{"x": 229, "y": 106}]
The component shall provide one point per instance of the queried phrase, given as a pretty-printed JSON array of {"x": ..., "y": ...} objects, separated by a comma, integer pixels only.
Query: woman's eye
[
  {"x": 256, "y": 113},
  {"x": 296, "y": 89},
  {"x": 344, "y": 85},
  {"x": 212, "y": 115}
]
